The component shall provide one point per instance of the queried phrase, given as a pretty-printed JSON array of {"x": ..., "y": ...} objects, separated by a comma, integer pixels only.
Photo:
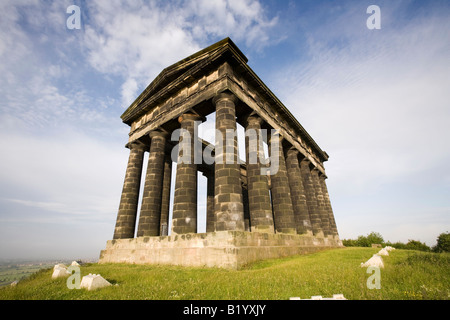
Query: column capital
[
  {"x": 159, "y": 133},
  {"x": 253, "y": 118},
  {"x": 136, "y": 145},
  {"x": 189, "y": 116},
  {"x": 292, "y": 150},
  {"x": 306, "y": 161},
  {"x": 277, "y": 135},
  {"x": 225, "y": 96}
]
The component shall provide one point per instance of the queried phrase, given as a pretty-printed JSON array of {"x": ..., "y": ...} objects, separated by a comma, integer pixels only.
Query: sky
[{"x": 376, "y": 100}]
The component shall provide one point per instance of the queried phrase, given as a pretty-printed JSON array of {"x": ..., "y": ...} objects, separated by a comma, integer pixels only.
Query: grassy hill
[{"x": 407, "y": 275}]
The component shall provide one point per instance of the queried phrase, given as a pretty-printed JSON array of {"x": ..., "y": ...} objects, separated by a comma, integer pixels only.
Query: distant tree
[
  {"x": 371, "y": 238},
  {"x": 362, "y": 241},
  {"x": 443, "y": 243},
  {"x": 349, "y": 243},
  {"x": 375, "y": 237},
  {"x": 417, "y": 245}
]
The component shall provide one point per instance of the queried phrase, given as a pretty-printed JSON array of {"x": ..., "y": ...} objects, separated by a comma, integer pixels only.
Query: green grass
[
  {"x": 407, "y": 275},
  {"x": 12, "y": 273}
]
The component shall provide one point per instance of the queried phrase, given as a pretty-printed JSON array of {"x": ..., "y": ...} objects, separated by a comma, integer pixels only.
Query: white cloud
[
  {"x": 41, "y": 71},
  {"x": 59, "y": 193},
  {"x": 377, "y": 102},
  {"x": 242, "y": 20},
  {"x": 382, "y": 107},
  {"x": 70, "y": 173},
  {"x": 138, "y": 40}
]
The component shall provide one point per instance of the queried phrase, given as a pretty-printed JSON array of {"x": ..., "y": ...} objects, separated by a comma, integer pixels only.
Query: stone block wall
[{"x": 224, "y": 249}]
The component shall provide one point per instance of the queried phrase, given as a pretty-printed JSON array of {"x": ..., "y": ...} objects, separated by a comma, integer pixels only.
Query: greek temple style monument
[{"x": 258, "y": 208}]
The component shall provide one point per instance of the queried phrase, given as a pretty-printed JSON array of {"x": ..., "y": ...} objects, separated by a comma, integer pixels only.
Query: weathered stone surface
[
  {"x": 311, "y": 199},
  {"x": 322, "y": 210},
  {"x": 333, "y": 227},
  {"x": 60, "y": 271},
  {"x": 126, "y": 217},
  {"x": 149, "y": 218},
  {"x": 259, "y": 203},
  {"x": 228, "y": 206},
  {"x": 59, "y": 265},
  {"x": 93, "y": 281},
  {"x": 298, "y": 195},
  {"x": 225, "y": 249},
  {"x": 283, "y": 210},
  {"x": 185, "y": 197}
]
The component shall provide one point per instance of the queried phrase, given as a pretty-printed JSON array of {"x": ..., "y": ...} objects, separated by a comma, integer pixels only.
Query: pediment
[{"x": 224, "y": 49}]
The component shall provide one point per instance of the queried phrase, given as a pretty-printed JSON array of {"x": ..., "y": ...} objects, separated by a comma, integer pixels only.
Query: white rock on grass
[
  {"x": 74, "y": 263},
  {"x": 59, "y": 265},
  {"x": 389, "y": 248},
  {"x": 93, "y": 281},
  {"x": 383, "y": 252},
  {"x": 60, "y": 271},
  {"x": 375, "y": 261}
]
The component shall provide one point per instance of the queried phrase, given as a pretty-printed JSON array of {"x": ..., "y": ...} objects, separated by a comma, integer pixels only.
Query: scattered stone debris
[
  {"x": 339, "y": 296},
  {"x": 93, "y": 281}
]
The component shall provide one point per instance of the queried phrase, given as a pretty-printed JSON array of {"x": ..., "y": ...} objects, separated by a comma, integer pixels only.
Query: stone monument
[{"x": 263, "y": 207}]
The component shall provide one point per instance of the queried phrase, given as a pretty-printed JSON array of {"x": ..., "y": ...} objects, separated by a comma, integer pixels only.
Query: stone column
[
  {"x": 126, "y": 217},
  {"x": 311, "y": 199},
  {"x": 281, "y": 194},
  {"x": 165, "y": 196},
  {"x": 301, "y": 210},
  {"x": 228, "y": 206},
  {"x": 261, "y": 217},
  {"x": 184, "y": 218},
  {"x": 323, "y": 213},
  {"x": 210, "y": 216},
  {"x": 150, "y": 216},
  {"x": 333, "y": 227}
]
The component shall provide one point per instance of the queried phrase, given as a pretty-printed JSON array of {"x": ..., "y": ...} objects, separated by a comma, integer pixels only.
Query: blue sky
[{"x": 375, "y": 100}]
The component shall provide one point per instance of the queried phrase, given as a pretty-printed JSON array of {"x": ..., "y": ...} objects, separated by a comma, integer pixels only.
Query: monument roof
[
  {"x": 183, "y": 72},
  {"x": 225, "y": 47}
]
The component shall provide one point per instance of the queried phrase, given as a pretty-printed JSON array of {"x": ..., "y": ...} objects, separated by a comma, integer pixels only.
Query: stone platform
[{"x": 225, "y": 249}]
